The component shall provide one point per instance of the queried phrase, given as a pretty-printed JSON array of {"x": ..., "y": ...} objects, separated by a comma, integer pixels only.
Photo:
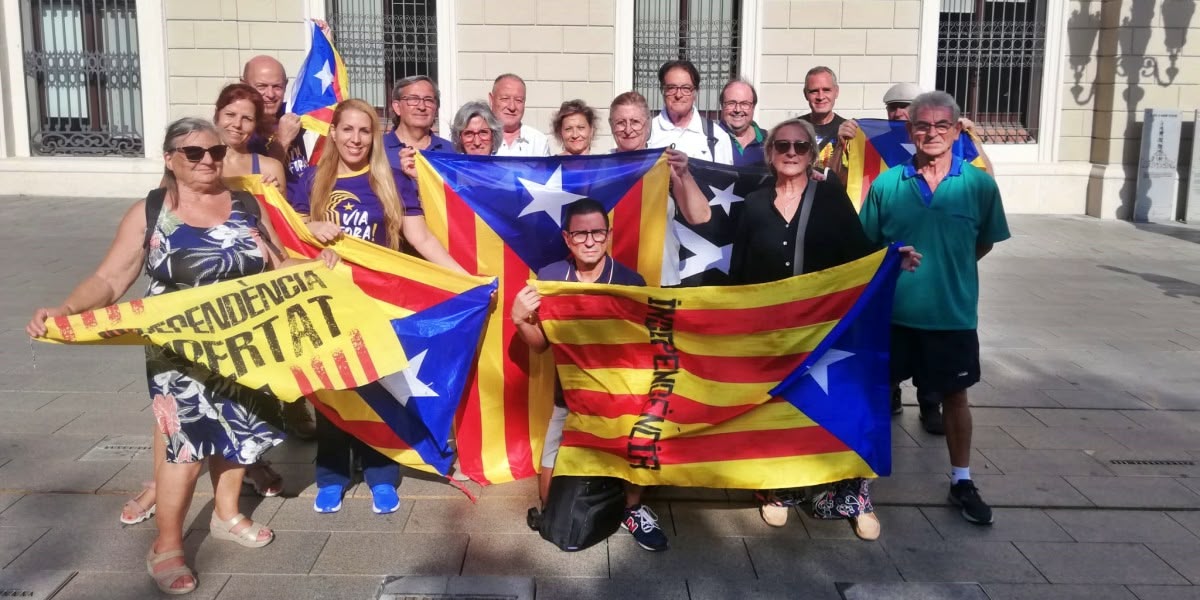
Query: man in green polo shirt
[{"x": 951, "y": 212}]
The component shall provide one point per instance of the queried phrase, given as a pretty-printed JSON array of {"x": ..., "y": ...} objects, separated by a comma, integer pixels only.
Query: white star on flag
[
  {"x": 325, "y": 76},
  {"x": 548, "y": 197},
  {"x": 724, "y": 197},
  {"x": 405, "y": 384},
  {"x": 910, "y": 148},
  {"x": 705, "y": 254},
  {"x": 819, "y": 370}
]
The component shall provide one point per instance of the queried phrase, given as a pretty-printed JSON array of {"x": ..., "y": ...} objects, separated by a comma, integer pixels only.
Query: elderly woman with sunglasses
[
  {"x": 764, "y": 249},
  {"x": 199, "y": 414}
]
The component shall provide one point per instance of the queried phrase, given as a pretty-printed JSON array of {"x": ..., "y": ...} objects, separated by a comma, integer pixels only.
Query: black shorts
[{"x": 942, "y": 362}]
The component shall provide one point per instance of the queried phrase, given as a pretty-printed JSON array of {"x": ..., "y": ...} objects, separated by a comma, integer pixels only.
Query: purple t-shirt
[{"x": 355, "y": 207}]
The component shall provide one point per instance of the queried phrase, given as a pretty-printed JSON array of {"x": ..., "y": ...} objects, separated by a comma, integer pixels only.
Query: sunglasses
[
  {"x": 801, "y": 146},
  {"x": 196, "y": 153}
]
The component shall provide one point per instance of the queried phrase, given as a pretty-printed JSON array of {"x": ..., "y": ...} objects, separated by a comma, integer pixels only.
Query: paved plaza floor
[{"x": 1087, "y": 443}]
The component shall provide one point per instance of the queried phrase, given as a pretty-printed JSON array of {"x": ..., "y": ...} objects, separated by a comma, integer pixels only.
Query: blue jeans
[{"x": 336, "y": 448}]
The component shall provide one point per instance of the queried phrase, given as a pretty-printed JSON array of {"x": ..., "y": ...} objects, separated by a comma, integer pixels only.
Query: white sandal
[
  {"x": 140, "y": 513},
  {"x": 248, "y": 537},
  {"x": 164, "y": 578}
]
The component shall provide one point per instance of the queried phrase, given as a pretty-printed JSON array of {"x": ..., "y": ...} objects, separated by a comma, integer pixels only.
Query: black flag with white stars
[{"x": 705, "y": 249}]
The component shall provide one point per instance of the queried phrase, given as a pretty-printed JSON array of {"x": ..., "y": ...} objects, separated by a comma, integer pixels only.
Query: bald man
[{"x": 285, "y": 143}]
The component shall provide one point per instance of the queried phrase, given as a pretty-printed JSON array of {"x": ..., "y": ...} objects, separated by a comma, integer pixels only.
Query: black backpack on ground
[{"x": 580, "y": 512}]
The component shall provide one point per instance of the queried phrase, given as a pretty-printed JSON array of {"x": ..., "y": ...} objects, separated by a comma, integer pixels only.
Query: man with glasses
[
  {"x": 950, "y": 211},
  {"x": 738, "y": 99},
  {"x": 415, "y": 104},
  {"x": 680, "y": 125},
  {"x": 507, "y": 100},
  {"x": 585, "y": 230}
]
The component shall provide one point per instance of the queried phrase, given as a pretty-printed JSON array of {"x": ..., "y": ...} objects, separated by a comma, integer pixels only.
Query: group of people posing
[{"x": 195, "y": 230}]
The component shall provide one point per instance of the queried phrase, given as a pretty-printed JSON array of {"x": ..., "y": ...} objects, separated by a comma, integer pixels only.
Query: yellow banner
[{"x": 296, "y": 330}]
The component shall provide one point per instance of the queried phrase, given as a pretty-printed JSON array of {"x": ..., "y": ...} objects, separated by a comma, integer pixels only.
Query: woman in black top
[{"x": 764, "y": 248}]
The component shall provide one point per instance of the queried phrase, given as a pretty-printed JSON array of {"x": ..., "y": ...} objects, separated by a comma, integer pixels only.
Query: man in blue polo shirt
[
  {"x": 951, "y": 212},
  {"x": 415, "y": 104}
]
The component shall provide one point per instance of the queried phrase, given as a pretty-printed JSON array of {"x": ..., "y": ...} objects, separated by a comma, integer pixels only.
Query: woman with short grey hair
[
  {"x": 476, "y": 130},
  {"x": 194, "y": 231}
]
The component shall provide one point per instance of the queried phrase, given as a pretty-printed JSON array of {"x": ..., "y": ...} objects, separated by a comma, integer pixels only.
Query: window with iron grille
[
  {"x": 706, "y": 32},
  {"x": 382, "y": 41},
  {"x": 990, "y": 58},
  {"x": 82, "y": 77}
]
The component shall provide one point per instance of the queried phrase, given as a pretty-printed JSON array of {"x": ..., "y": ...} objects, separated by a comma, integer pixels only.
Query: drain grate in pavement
[
  {"x": 33, "y": 585},
  {"x": 457, "y": 588},
  {"x": 119, "y": 447},
  {"x": 1156, "y": 463}
]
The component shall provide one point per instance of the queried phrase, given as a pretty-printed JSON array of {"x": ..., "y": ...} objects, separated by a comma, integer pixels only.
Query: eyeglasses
[
  {"x": 745, "y": 105},
  {"x": 483, "y": 135},
  {"x": 598, "y": 235},
  {"x": 196, "y": 153},
  {"x": 800, "y": 146},
  {"x": 419, "y": 100},
  {"x": 925, "y": 126},
  {"x": 630, "y": 125},
  {"x": 682, "y": 90},
  {"x": 897, "y": 105}
]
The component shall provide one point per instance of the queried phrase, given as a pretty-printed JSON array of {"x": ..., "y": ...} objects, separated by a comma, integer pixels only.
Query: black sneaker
[
  {"x": 643, "y": 524},
  {"x": 931, "y": 419},
  {"x": 964, "y": 494},
  {"x": 897, "y": 408}
]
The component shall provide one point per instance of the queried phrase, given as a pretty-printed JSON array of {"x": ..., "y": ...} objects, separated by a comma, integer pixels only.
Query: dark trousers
[
  {"x": 336, "y": 449},
  {"x": 929, "y": 400}
]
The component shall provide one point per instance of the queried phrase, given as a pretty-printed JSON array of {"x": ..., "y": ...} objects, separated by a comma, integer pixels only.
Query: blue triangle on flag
[
  {"x": 440, "y": 343},
  {"x": 316, "y": 81},
  {"x": 508, "y": 193},
  {"x": 843, "y": 385},
  {"x": 891, "y": 141}
]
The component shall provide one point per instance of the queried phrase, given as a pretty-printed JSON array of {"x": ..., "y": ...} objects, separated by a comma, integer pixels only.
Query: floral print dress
[{"x": 200, "y": 413}]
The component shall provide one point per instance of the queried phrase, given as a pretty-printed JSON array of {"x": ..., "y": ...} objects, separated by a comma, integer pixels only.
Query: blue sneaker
[
  {"x": 384, "y": 499},
  {"x": 329, "y": 499},
  {"x": 643, "y": 524}
]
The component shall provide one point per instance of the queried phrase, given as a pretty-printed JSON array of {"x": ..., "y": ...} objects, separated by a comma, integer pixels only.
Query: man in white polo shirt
[
  {"x": 680, "y": 126},
  {"x": 508, "y": 104}
]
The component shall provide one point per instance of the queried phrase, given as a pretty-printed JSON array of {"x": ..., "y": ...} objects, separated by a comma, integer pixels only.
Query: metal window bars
[
  {"x": 82, "y": 77},
  {"x": 382, "y": 41},
  {"x": 706, "y": 32},
  {"x": 991, "y": 56}
]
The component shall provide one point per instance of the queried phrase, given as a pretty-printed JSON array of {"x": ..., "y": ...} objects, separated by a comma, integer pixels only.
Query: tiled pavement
[{"x": 1091, "y": 335}]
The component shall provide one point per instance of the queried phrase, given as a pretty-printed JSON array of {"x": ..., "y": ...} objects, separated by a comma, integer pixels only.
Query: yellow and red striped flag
[
  {"x": 764, "y": 386},
  {"x": 502, "y": 216},
  {"x": 438, "y": 316}
]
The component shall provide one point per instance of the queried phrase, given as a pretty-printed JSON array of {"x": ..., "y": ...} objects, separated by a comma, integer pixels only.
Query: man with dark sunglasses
[{"x": 952, "y": 211}]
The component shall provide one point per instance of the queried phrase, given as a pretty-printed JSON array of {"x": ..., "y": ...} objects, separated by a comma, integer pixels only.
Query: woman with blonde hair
[{"x": 354, "y": 191}]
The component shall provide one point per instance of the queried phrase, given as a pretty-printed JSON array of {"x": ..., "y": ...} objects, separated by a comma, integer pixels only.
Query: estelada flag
[
  {"x": 882, "y": 144},
  {"x": 436, "y": 314},
  {"x": 705, "y": 249},
  {"x": 268, "y": 331},
  {"x": 320, "y": 84},
  {"x": 763, "y": 386},
  {"x": 502, "y": 216}
]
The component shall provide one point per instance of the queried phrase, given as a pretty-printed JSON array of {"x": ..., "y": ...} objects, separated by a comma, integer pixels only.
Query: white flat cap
[{"x": 902, "y": 92}]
